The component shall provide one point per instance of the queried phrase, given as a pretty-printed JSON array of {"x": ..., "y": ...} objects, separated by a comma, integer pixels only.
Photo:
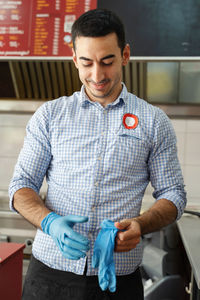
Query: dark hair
[{"x": 97, "y": 23}]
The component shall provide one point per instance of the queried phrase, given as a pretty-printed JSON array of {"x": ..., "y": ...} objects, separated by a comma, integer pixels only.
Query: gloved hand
[
  {"x": 103, "y": 256},
  {"x": 72, "y": 244}
]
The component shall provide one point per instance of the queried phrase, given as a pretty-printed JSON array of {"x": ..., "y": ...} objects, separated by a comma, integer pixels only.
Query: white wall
[
  {"x": 12, "y": 131},
  {"x": 188, "y": 143}
]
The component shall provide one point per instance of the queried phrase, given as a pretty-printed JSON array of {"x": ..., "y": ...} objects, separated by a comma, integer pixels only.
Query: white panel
[
  {"x": 11, "y": 140},
  {"x": 179, "y": 125},
  {"x": 14, "y": 120},
  {"x": 192, "y": 181},
  {"x": 181, "y": 146},
  {"x": 193, "y": 126},
  {"x": 6, "y": 171},
  {"x": 192, "y": 154},
  {"x": 193, "y": 203}
]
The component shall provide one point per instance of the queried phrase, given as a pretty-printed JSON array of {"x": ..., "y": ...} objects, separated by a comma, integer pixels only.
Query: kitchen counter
[{"x": 189, "y": 228}]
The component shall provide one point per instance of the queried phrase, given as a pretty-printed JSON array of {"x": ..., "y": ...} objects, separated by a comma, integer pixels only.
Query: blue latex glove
[
  {"x": 72, "y": 244},
  {"x": 103, "y": 256}
]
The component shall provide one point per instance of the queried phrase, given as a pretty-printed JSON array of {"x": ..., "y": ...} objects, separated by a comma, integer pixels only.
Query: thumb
[
  {"x": 123, "y": 224},
  {"x": 76, "y": 219}
]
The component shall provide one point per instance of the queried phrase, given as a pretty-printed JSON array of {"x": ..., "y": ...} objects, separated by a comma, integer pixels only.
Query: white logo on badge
[{"x": 130, "y": 121}]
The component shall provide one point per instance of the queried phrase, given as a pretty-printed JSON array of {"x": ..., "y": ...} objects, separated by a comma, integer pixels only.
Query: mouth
[{"x": 100, "y": 85}]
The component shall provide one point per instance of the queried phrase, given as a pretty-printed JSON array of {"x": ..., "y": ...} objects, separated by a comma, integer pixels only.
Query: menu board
[
  {"x": 39, "y": 27},
  {"x": 159, "y": 27}
]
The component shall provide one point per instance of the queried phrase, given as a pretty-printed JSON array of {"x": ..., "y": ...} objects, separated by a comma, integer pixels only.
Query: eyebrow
[{"x": 103, "y": 58}]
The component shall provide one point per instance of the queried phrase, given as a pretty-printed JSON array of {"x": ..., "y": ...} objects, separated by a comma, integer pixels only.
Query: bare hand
[{"x": 128, "y": 239}]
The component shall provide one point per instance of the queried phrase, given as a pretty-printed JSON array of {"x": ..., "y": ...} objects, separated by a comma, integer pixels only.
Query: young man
[{"x": 99, "y": 149}]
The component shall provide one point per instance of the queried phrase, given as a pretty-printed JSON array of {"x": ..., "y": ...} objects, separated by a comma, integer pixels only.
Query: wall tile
[
  {"x": 193, "y": 203},
  {"x": 192, "y": 181},
  {"x": 11, "y": 140},
  {"x": 6, "y": 171},
  {"x": 181, "y": 141},
  {"x": 179, "y": 125},
  {"x": 17, "y": 120},
  {"x": 192, "y": 149},
  {"x": 193, "y": 126}
]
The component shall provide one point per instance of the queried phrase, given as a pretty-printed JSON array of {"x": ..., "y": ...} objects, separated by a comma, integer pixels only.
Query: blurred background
[{"x": 36, "y": 66}]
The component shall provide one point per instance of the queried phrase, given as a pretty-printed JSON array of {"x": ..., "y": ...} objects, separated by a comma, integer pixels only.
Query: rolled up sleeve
[
  {"x": 164, "y": 167},
  {"x": 35, "y": 155}
]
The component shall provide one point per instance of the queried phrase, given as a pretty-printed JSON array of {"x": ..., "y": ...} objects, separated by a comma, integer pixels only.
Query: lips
[{"x": 99, "y": 86}]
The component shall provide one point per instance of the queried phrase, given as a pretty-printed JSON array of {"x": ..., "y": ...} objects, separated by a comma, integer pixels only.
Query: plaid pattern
[{"x": 97, "y": 167}]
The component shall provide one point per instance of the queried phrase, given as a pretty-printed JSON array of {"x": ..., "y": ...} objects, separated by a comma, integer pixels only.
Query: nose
[{"x": 97, "y": 73}]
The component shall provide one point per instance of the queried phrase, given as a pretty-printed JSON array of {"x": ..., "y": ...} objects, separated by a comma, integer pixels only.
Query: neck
[{"x": 104, "y": 100}]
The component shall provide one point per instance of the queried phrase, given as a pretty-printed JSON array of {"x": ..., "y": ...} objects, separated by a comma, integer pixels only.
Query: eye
[
  {"x": 107, "y": 61},
  {"x": 86, "y": 66},
  {"x": 107, "y": 64}
]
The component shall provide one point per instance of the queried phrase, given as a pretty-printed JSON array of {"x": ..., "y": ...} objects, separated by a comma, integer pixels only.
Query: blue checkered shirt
[{"x": 98, "y": 165}]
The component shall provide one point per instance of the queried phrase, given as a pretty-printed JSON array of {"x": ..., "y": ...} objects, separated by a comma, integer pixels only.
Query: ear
[
  {"x": 126, "y": 55},
  {"x": 74, "y": 57}
]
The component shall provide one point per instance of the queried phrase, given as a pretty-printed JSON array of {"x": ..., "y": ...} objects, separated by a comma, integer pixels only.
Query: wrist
[
  {"x": 47, "y": 221},
  {"x": 139, "y": 222}
]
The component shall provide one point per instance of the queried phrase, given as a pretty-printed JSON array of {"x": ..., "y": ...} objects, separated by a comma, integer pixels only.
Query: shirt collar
[{"x": 84, "y": 100}]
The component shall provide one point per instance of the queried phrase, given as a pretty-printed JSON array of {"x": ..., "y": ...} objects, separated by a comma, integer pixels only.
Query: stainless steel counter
[{"x": 189, "y": 228}]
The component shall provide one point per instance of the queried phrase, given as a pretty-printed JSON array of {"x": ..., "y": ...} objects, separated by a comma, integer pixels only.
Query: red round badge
[{"x": 130, "y": 121}]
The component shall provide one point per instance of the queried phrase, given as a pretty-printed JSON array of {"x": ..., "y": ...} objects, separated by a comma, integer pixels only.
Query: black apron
[{"x": 42, "y": 283}]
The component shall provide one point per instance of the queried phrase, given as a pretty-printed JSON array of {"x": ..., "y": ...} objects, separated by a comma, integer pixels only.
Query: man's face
[{"x": 99, "y": 62}]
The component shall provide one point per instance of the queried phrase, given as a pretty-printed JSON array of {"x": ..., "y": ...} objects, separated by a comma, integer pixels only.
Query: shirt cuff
[
  {"x": 14, "y": 189},
  {"x": 179, "y": 200}
]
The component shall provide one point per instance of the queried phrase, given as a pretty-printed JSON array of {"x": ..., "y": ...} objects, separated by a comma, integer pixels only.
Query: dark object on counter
[{"x": 196, "y": 213}]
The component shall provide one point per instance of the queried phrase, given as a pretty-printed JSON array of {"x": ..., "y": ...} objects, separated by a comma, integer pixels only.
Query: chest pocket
[{"x": 132, "y": 148}]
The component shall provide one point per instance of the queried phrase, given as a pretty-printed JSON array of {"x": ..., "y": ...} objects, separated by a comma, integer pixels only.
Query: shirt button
[
  {"x": 105, "y": 111},
  {"x": 96, "y": 183},
  {"x": 102, "y": 133},
  {"x": 93, "y": 208},
  {"x": 99, "y": 158}
]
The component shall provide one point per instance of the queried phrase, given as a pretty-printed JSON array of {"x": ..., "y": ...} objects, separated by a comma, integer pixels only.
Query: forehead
[{"x": 98, "y": 46}]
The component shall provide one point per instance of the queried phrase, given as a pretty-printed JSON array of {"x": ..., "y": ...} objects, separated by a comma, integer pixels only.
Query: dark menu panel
[{"x": 159, "y": 27}]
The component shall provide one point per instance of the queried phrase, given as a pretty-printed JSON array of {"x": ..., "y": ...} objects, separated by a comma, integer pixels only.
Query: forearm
[
  {"x": 28, "y": 203},
  {"x": 161, "y": 214}
]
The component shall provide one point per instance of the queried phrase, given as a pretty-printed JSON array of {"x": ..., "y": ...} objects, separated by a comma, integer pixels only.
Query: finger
[
  {"x": 67, "y": 251},
  {"x": 126, "y": 235},
  {"x": 103, "y": 278},
  {"x": 125, "y": 246},
  {"x": 76, "y": 219},
  {"x": 95, "y": 259},
  {"x": 133, "y": 232},
  {"x": 75, "y": 244},
  {"x": 73, "y": 235},
  {"x": 134, "y": 241},
  {"x": 112, "y": 280}
]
